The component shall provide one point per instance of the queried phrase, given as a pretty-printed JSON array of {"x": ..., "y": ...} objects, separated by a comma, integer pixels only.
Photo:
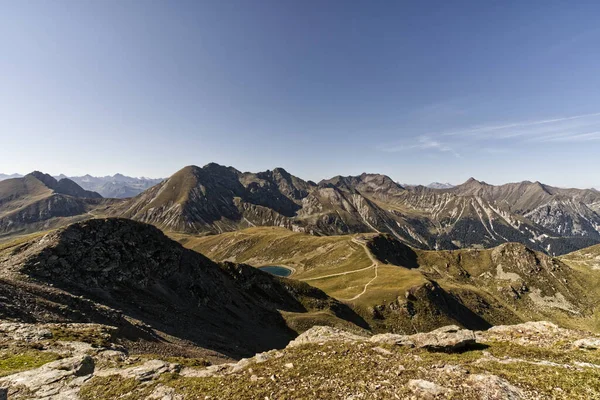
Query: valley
[{"x": 212, "y": 265}]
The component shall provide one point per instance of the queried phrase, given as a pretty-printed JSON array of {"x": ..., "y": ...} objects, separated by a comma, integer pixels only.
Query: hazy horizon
[{"x": 436, "y": 92}]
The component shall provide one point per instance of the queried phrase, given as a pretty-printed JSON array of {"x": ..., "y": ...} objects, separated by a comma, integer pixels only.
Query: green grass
[
  {"x": 17, "y": 360},
  {"x": 311, "y": 256},
  {"x": 114, "y": 387},
  {"x": 97, "y": 337},
  {"x": 191, "y": 362},
  {"x": 338, "y": 370}
]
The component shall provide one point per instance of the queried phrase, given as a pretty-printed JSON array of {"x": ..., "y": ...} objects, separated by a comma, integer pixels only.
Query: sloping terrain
[
  {"x": 116, "y": 271},
  {"x": 587, "y": 259},
  {"x": 39, "y": 202},
  {"x": 216, "y": 199},
  {"x": 535, "y": 360},
  {"x": 398, "y": 288}
]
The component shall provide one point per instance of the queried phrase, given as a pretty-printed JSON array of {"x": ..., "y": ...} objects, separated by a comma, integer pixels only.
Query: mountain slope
[
  {"x": 395, "y": 287},
  {"x": 39, "y": 202},
  {"x": 215, "y": 199},
  {"x": 87, "y": 271}
]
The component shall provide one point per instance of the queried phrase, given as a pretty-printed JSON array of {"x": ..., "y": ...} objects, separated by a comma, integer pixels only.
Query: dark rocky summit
[{"x": 114, "y": 270}]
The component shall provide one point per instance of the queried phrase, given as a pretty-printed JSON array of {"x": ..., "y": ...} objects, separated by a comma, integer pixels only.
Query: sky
[{"x": 421, "y": 91}]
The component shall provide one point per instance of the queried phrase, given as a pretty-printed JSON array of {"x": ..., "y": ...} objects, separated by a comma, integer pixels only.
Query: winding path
[{"x": 374, "y": 265}]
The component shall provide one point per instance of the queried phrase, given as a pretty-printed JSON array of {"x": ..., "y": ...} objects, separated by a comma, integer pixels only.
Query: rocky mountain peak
[
  {"x": 46, "y": 179},
  {"x": 64, "y": 186}
]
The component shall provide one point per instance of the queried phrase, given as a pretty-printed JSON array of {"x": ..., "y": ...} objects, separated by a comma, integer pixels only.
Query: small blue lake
[{"x": 277, "y": 271}]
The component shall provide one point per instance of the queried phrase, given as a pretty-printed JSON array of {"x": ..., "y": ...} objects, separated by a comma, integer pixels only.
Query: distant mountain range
[
  {"x": 215, "y": 199},
  {"x": 438, "y": 185},
  {"x": 117, "y": 186}
]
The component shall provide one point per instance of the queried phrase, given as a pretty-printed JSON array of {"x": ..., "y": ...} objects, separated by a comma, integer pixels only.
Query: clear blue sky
[{"x": 421, "y": 91}]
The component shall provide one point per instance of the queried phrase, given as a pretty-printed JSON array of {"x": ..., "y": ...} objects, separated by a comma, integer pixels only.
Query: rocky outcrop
[
  {"x": 323, "y": 334},
  {"x": 324, "y": 363},
  {"x": 448, "y": 338},
  {"x": 88, "y": 271}
]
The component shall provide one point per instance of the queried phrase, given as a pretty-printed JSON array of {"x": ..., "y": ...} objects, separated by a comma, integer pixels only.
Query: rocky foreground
[{"x": 535, "y": 360}]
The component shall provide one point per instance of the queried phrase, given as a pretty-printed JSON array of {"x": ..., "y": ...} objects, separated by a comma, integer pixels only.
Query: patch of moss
[
  {"x": 13, "y": 361},
  {"x": 115, "y": 387},
  {"x": 94, "y": 336},
  {"x": 191, "y": 362}
]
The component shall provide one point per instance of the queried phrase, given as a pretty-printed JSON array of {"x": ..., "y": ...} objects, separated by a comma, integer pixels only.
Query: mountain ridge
[{"x": 215, "y": 199}]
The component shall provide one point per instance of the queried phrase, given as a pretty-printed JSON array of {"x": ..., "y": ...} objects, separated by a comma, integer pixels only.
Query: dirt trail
[{"x": 374, "y": 265}]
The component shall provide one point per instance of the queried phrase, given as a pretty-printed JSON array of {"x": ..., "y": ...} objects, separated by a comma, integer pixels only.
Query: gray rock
[
  {"x": 322, "y": 334},
  {"x": 448, "y": 338},
  {"x": 492, "y": 387},
  {"x": 391, "y": 338},
  {"x": 426, "y": 389},
  {"x": 587, "y": 343},
  {"x": 164, "y": 393},
  {"x": 382, "y": 351},
  {"x": 150, "y": 370},
  {"x": 52, "y": 378}
]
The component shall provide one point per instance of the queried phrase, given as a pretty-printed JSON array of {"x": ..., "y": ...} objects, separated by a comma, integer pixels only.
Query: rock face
[
  {"x": 448, "y": 338},
  {"x": 90, "y": 270},
  {"x": 216, "y": 199},
  {"x": 52, "y": 379}
]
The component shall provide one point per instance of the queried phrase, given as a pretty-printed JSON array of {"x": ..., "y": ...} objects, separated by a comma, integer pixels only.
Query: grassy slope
[
  {"x": 311, "y": 257},
  {"x": 341, "y": 370},
  {"x": 462, "y": 274},
  {"x": 587, "y": 259}
]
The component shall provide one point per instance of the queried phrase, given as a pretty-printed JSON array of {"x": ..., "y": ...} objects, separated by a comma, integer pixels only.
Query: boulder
[
  {"x": 150, "y": 370},
  {"x": 590, "y": 343},
  {"x": 394, "y": 339},
  {"x": 322, "y": 334},
  {"x": 426, "y": 389},
  {"x": 52, "y": 378},
  {"x": 448, "y": 338},
  {"x": 492, "y": 387}
]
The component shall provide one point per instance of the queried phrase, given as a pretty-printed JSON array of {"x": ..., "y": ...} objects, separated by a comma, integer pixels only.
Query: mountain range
[
  {"x": 117, "y": 186},
  {"x": 215, "y": 199},
  {"x": 116, "y": 307}
]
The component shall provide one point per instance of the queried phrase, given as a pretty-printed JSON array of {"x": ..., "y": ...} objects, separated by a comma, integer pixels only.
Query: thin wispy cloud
[
  {"x": 582, "y": 137},
  {"x": 517, "y": 126},
  {"x": 496, "y": 138}
]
